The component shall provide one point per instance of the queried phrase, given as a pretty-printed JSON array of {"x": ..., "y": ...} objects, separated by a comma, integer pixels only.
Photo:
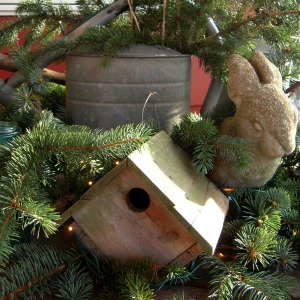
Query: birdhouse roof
[{"x": 191, "y": 197}]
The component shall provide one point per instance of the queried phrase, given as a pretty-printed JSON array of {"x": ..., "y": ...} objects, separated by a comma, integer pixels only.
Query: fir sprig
[
  {"x": 200, "y": 139},
  {"x": 74, "y": 284},
  {"x": 40, "y": 19},
  {"x": 134, "y": 286},
  {"x": 286, "y": 258},
  {"x": 30, "y": 270},
  {"x": 8, "y": 235},
  {"x": 123, "y": 280},
  {"x": 257, "y": 245},
  {"x": 264, "y": 208},
  {"x": 35, "y": 270},
  {"x": 231, "y": 279}
]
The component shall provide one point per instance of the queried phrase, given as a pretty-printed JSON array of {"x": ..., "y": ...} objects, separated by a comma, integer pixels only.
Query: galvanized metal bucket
[{"x": 143, "y": 82}]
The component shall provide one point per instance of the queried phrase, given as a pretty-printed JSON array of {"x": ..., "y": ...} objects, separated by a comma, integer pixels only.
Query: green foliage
[
  {"x": 183, "y": 28},
  {"x": 127, "y": 280},
  {"x": 30, "y": 270},
  {"x": 40, "y": 22},
  {"x": 35, "y": 163},
  {"x": 286, "y": 258},
  {"x": 87, "y": 8},
  {"x": 231, "y": 280},
  {"x": 74, "y": 284},
  {"x": 7, "y": 237},
  {"x": 264, "y": 231},
  {"x": 175, "y": 274},
  {"x": 135, "y": 287},
  {"x": 200, "y": 139},
  {"x": 34, "y": 271},
  {"x": 29, "y": 101},
  {"x": 257, "y": 245}
]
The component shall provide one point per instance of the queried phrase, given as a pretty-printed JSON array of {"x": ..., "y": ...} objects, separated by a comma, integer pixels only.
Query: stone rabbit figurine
[{"x": 264, "y": 116}]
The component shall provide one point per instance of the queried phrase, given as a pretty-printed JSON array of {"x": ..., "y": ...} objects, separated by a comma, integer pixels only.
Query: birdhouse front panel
[{"x": 126, "y": 221}]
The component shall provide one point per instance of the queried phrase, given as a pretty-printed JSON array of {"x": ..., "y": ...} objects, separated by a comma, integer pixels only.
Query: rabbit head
[{"x": 264, "y": 116}]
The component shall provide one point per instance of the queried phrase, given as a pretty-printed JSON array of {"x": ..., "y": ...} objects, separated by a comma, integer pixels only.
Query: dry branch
[{"x": 7, "y": 64}]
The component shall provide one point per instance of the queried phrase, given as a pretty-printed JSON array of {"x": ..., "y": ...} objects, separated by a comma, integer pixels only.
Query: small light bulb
[
  {"x": 117, "y": 162},
  {"x": 82, "y": 161},
  {"x": 228, "y": 190},
  {"x": 61, "y": 27},
  {"x": 70, "y": 228},
  {"x": 90, "y": 183}
]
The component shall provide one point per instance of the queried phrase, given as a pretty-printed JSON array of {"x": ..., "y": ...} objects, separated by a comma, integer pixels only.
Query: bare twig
[{"x": 250, "y": 19}]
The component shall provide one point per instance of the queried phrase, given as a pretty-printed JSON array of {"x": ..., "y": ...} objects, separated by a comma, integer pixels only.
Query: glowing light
[
  {"x": 117, "y": 162},
  {"x": 228, "y": 190},
  {"x": 70, "y": 228},
  {"x": 62, "y": 27},
  {"x": 90, "y": 183},
  {"x": 220, "y": 255}
]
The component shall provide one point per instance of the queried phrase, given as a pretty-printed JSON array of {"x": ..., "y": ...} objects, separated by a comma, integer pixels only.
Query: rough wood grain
[
  {"x": 123, "y": 233},
  {"x": 184, "y": 217}
]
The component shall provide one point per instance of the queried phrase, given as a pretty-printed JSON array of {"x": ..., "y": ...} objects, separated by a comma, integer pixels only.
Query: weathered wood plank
[
  {"x": 123, "y": 233},
  {"x": 69, "y": 212}
]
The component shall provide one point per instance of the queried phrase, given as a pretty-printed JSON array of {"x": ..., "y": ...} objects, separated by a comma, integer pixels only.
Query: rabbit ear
[
  {"x": 242, "y": 78},
  {"x": 266, "y": 71}
]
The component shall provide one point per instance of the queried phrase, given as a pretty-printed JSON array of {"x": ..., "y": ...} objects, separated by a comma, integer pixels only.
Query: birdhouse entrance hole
[{"x": 138, "y": 199}]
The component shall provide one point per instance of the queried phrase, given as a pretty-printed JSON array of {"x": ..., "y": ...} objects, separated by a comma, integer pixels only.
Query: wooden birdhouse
[{"x": 153, "y": 204}]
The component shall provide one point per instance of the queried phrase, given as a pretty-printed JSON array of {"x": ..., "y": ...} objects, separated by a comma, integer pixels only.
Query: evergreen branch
[
  {"x": 17, "y": 187},
  {"x": 230, "y": 280},
  {"x": 258, "y": 245},
  {"x": 244, "y": 22},
  {"x": 204, "y": 156},
  {"x": 286, "y": 258},
  {"x": 235, "y": 150},
  {"x": 232, "y": 227},
  {"x": 277, "y": 198},
  {"x": 175, "y": 275},
  {"x": 89, "y": 148},
  {"x": 192, "y": 128},
  {"x": 261, "y": 211},
  {"x": 290, "y": 220},
  {"x": 120, "y": 278},
  {"x": 258, "y": 286},
  {"x": 74, "y": 284},
  {"x": 29, "y": 284},
  {"x": 134, "y": 286},
  {"x": 31, "y": 266},
  {"x": 199, "y": 138},
  {"x": 8, "y": 235}
]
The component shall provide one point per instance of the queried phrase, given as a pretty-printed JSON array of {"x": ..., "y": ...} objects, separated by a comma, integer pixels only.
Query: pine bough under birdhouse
[{"x": 153, "y": 204}]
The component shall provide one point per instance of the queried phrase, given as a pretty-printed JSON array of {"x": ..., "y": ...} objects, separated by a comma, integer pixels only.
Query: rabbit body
[{"x": 264, "y": 116}]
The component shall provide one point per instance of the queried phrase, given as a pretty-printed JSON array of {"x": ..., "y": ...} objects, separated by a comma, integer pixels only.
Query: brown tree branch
[
  {"x": 36, "y": 281},
  {"x": 8, "y": 65}
]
